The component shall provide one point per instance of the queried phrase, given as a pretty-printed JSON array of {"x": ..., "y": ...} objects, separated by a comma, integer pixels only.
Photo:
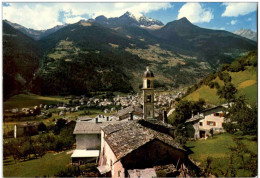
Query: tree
[
  {"x": 227, "y": 91},
  {"x": 183, "y": 111},
  {"x": 42, "y": 127},
  {"x": 59, "y": 125},
  {"x": 240, "y": 116}
]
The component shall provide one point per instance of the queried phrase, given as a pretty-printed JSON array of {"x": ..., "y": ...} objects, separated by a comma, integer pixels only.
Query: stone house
[
  {"x": 212, "y": 118},
  {"x": 131, "y": 147}
]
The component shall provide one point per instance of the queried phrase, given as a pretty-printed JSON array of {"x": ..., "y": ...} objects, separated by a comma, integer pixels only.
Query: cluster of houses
[{"x": 137, "y": 142}]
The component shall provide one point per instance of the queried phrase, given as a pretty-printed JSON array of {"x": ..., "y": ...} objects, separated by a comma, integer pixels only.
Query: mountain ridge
[{"x": 180, "y": 53}]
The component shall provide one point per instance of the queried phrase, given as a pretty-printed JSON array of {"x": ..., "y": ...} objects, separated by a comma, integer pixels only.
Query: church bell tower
[{"x": 148, "y": 94}]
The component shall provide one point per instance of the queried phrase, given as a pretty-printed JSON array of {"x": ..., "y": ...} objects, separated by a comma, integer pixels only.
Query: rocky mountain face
[
  {"x": 247, "y": 34},
  {"x": 127, "y": 19},
  {"x": 110, "y": 54}
]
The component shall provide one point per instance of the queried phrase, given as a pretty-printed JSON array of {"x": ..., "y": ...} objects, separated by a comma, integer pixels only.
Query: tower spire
[{"x": 148, "y": 94}]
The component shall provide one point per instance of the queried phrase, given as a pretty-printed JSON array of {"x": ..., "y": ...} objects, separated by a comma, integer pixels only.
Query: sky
[{"x": 213, "y": 15}]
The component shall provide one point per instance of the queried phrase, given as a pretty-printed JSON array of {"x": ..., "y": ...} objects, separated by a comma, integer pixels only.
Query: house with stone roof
[
  {"x": 137, "y": 147},
  {"x": 209, "y": 119},
  {"x": 136, "y": 111}
]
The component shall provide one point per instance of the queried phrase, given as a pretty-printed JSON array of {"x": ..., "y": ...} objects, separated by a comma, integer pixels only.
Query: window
[
  {"x": 201, "y": 123},
  {"x": 219, "y": 114},
  {"x": 211, "y": 123},
  {"x": 119, "y": 173},
  {"x": 148, "y": 84},
  {"x": 149, "y": 98}
]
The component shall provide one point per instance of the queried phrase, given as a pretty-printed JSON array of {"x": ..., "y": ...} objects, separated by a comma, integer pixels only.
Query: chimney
[
  {"x": 131, "y": 116},
  {"x": 165, "y": 119},
  {"x": 107, "y": 118},
  {"x": 97, "y": 120}
]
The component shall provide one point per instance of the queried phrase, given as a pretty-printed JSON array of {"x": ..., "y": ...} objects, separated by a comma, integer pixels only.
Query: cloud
[
  {"x": 46, "y": 15},
  {"x": 233, "y": 22},
  {"x": 39, "y": 17},
  {"x": 218, "y": 28},
  {"x": 236, "y": 9},
  {"x": 249, "y": 19},
  {"x": 195, "y": 13}
]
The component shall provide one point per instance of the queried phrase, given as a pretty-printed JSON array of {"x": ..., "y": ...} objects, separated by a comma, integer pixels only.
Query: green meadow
[
  {"x": 217, "y": 147},
  {"x": 48, "y": 165},
  {"x": 30, "y": 100}
]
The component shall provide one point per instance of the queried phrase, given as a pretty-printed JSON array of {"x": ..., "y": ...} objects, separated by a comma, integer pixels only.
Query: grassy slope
[
  {"x": 244, "y": 81},
  {"x": 48, "y": 165},
  {"x": 217, "y": 148},
  {"x": 22, "y": 100}
]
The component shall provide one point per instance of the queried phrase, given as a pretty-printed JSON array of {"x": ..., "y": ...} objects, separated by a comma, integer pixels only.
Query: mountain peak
[
  {"x": 184, "y": 19},
  {"x": 129, "y": 14}
]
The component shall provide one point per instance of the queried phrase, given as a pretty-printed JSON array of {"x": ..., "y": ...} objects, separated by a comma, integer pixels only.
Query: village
[{"x": 132, "y": 137}]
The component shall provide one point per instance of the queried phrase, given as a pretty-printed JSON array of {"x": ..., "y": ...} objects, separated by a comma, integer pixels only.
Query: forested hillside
[{"x": 21, "y": 56}]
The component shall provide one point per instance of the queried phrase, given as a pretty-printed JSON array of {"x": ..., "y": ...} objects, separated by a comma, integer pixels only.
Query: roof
[
  {"x": 27, "y": 124},
  {"x": 195, "y": 118},
  {"x": 219, "y": 106},
  {"x": 84, "y": 118},
  {"x": 125, "y": 137},
  {"x": 136, "y": 173},
  {"x": 87, "y": 128},
  {"x": 85, "y": 153},
  {"x": 129, "y": 109},
  {"x": 148, "y": 73},
  {"x": 104, "y": 169}
]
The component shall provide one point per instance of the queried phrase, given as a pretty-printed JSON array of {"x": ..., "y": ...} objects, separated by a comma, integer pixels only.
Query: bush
[
  {"x": 236, "y": 66},
  {"x": 42, "y": 127},
  {"x": 211, "y": 85},
  {"x": 216, "y": 85},
  {"x": 239, "y": 133},
  {"x": 224, "y": 76},
  {"x": 70, "y": 171}
]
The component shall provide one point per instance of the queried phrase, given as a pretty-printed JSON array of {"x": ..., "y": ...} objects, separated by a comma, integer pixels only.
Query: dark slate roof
[
  {"x": 195, "y": 118},
  {"x": 125, "y": 137},
  {"x": 219, "y": 106},
  {"x": 129, "y": 109}
]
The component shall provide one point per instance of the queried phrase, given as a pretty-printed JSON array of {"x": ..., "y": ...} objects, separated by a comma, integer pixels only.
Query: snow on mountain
[{"x": 247, "y": 34}]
